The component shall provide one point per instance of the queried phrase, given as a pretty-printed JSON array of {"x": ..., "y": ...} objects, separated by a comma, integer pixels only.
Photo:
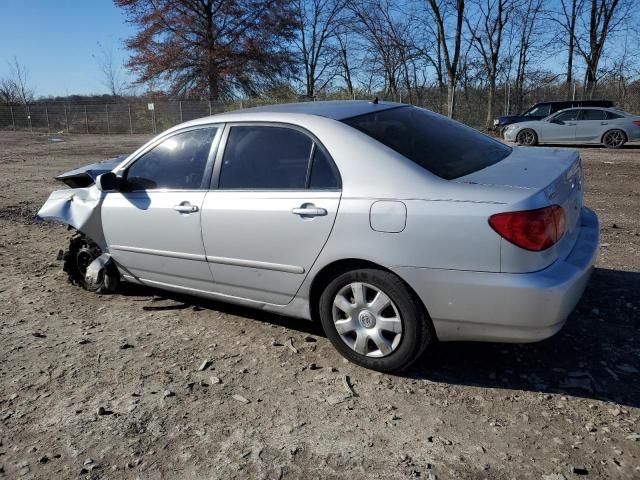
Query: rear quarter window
[{"x": 442, "y": 146}]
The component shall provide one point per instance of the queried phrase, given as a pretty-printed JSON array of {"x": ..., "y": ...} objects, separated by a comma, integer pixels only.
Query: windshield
[
  {"x": 538, "y": 111},
  {"x": 442, "y": 146}
]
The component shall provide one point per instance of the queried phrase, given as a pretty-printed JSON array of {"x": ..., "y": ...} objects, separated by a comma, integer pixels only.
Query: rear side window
[
  {"x": 265, "y": 157},
  {"x": 178, "y": 163},
  {"x": 442, "y": 146},
  {"x": 613, "y": 116},
  {"x": 593, "y": 114},
  {"x": 323, "y": 172}
]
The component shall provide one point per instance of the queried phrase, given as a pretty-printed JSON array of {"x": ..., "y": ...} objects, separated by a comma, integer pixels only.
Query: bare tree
[
  {"x": 567, "y": 18},
  {"x": 528, "y": 15},
  {"x": 110, "y": 70},
  {"x": 389, "y": 38},
  {"x": 344, "y": 61},
  {"x": 8, "y": 91},
  {"x": 18, "y": 82},
  {"x": 486, "y": 37},
  {"x": 450, "y": 48},
  {"x": 605, "y": 16},
  {"x": 318, "y": 21}
]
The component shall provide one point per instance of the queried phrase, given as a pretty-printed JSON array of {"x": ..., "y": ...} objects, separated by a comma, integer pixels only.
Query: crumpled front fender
[{"x": 78, "y": 207}]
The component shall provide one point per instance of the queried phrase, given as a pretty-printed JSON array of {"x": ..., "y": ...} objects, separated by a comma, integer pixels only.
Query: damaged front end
[
  {"x": 86, "y": 176},
  {"x": 87, "y": 261},
  {"x": 79, "y": 206}
]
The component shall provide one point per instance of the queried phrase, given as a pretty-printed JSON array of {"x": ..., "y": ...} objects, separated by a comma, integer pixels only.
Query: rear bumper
[{"x": 507, "y": 307}]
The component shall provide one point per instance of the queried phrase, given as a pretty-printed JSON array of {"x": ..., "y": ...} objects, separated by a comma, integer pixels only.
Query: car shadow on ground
[
  {"x": 626, "y": 146},
  {"x": 594, "y": 356}
]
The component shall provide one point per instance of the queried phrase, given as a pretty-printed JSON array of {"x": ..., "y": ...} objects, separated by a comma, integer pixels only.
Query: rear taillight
[
  {"x": 637, "y": 123},
  {"x": 534, "y": 230}
]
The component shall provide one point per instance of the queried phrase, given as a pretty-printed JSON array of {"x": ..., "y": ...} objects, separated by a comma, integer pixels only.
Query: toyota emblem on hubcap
[{"x": 367, "y": 320}]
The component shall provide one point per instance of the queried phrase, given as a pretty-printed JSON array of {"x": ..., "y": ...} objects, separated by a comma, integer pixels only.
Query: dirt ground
[{"x": 110, "y": 386}]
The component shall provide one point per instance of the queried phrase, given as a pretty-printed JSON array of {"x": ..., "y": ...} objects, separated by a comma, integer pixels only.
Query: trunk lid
[{"x": 551, "y": 176}]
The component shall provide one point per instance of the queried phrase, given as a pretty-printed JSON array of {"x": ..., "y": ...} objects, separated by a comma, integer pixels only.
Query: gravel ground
[{"x": 115, "y": 387}]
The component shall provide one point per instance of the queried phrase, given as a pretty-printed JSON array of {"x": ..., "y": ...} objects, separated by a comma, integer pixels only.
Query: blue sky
[{"x": 55, "y": 40}]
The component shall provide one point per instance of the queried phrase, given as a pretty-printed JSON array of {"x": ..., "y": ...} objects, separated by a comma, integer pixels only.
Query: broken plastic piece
[{"x": 96, "y": 270}]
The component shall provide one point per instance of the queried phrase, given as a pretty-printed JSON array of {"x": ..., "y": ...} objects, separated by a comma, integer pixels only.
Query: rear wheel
[
  {"x": 372, "y": 319},
  {"x": 81, "y": 252},
  {"x": 527, "y": 137},
  {"x": 614, "y": 139}
]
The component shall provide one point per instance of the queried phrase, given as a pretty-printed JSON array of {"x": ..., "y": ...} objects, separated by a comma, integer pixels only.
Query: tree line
[{"x": 407, "y": 49}]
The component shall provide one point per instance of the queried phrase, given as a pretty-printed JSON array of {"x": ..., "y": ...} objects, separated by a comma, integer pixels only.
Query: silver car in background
[
  {"x": 605, "y": 126},
  {"x": 392, "y": 225}
]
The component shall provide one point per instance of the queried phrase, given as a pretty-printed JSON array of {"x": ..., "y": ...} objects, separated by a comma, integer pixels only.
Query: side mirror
[{"x": 107, "y": 182}]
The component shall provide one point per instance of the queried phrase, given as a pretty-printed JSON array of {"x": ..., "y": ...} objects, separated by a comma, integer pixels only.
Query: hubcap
[{"x": 367, "y": 320}]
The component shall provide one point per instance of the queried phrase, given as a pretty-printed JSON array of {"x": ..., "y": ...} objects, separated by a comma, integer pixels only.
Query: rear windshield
[{"x": 446, "y": 148}]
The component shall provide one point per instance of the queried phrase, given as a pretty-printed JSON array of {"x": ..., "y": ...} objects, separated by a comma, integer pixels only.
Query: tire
[
  {"x": 391, "y": 350},
  {"x": 527, "y": 137},
  {"x": 81, "y": 252},
  {"x": 614, "y": 139}
]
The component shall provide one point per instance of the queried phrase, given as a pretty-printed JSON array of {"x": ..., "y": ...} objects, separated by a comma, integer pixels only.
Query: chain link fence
[{"x": 150, "y": 118}]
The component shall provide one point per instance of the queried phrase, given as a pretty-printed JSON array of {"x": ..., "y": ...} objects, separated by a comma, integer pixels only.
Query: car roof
[
  {"x": 589, "y": 107},
  {"x": 583, "y": 102},
  {"x": 334, "y": 109}
]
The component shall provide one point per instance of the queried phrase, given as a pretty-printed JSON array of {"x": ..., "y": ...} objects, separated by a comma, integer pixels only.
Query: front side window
[
  {"x": 265, "y": 157},
  {"x": 178, "y": 163},
  {"x": 442, "y": 146},
  {"x": 567, "y": 116},
  {"x": 593, "y": 114}
]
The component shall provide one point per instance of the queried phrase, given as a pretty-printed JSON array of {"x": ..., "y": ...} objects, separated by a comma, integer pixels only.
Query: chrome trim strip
[
  {"x": 238, "y": 262},
  {"x": 160, "y": 253}
]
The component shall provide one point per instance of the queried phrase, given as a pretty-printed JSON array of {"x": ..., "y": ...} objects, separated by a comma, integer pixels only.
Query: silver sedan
[
  {"x": 391, "y": 225},
  {"x": 606, "y": 126}
]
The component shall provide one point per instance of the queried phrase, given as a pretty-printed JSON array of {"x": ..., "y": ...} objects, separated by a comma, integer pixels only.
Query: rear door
[
  {"x": 591, "y": 124},
  {"x": 561, "y": 128},
  {"x": 272, "y": 206},
  {"x": 152, "y": 226}
]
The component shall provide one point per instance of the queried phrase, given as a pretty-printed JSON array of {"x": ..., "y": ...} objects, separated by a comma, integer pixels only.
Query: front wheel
[
  {"x": 527, "y": 137},
  {"x": 614, "y": 139},
  {"x": 372, "y": 319},
  {"x": 81, "y": 252}
]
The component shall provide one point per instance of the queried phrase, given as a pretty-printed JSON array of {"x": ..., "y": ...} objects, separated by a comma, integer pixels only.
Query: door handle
[
  {"x": 604, "y": 123},
  {"x": 185, "y": 207},
  {"x": 309, "y": 210},
  {"x": 570, "y": 123}
]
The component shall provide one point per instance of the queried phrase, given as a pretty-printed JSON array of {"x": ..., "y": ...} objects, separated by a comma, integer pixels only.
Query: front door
[
  {"x": 272, "y": 207},
  {"x": 153, "y": 225},
  {"x": 561, "y": 127}
]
